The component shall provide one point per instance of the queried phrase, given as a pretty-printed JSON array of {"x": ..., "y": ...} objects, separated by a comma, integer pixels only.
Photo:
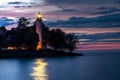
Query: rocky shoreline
[{"x": 35, "y": 54}]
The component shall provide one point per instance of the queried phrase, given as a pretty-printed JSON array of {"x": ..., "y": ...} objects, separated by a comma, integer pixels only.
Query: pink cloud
[
  {"x": 88, "y": 31},
  {"x": 99, "y": 46}
]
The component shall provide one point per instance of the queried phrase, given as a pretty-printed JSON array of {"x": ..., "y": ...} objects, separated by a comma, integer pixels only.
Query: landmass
[{"x": 35, "y": 54}]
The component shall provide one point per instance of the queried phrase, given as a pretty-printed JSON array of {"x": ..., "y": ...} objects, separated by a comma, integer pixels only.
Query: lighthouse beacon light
[{"x": 39, "y": 16}]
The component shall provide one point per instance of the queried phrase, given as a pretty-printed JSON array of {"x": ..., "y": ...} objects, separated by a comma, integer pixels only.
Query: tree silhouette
[
  {"x": 71, "y": 40},
  {"x": 22, "y": 22},
  {"x": 45, "y": 35},
  {"x": 31, "y": 40},
  {"x": 11, "y": 37},
  {"x": 3, "y": 42},
  {"x": 56, "y": 39},
  {"x": 24, "y": 37}
]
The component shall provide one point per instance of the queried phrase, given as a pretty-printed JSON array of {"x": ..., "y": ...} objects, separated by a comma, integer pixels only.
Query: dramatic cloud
[
  {"x": 4, "y": 21},
  {"x": 99, "y": 46},
  {"x": 53, "y": 10},
  {"x": 22, "y": 6},
  {"x": 110, "y": 40},
  {"x": 68, "y": 10},
  {"x": 117, "y": 2},
  {"x": 95, "y": 34},
  {"x": 17, "y": 2},
  {"x": 105, "y": 10},
  {"x": 80, "y": 14},
  {"x": 102, "y": 8},
  {"x": 102, "y": 37},
  {"x": 90, "y": 31},
  {"x": 82, "y": 22},
  {"x": 96, "y": 38}
]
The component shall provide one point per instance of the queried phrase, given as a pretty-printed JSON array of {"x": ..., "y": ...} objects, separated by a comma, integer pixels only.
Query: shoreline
[{"x": 35, "y": 54}]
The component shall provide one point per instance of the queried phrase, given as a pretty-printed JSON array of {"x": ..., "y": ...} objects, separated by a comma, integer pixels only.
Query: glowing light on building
[
  {"x": 39, "y": 16},
  {"x": 11, "y": 48},
  {"x": 39, "y": 70},
  {"x": 39, "y": 46},
  {"x": 39, "y": 30}
]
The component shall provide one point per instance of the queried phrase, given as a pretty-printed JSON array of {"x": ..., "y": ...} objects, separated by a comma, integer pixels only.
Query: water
[{"x": 92, "y": 66}]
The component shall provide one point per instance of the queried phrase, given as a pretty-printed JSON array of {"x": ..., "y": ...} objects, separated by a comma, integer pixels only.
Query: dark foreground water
[{"x": 91, "y": 66}]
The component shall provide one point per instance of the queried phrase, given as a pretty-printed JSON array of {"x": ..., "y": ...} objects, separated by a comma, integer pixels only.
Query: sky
[{"x": 96, "y": 22}]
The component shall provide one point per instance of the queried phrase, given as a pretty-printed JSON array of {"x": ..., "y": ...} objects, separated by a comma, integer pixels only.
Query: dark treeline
[{"x": 25, "y": 37}]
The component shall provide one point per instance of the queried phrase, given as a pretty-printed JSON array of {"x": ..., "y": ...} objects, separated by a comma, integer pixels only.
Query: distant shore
[{"x": 35, "y": 54}]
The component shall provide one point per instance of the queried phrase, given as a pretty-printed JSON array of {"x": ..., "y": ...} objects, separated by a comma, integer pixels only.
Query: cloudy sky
[
  {"x": 58, "y": 9},
  {"x": 97, "y": 22}
]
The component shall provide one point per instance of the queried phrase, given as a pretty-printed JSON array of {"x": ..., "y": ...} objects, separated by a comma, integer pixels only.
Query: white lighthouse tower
[{"x": 39, "y": 30}]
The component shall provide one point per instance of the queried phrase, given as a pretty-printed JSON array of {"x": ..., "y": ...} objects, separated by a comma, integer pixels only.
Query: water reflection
[{"x": 39, "y": 70}]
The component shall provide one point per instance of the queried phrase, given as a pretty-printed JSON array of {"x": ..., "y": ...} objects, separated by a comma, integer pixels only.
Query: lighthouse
[{"x": 39, "y": 30}]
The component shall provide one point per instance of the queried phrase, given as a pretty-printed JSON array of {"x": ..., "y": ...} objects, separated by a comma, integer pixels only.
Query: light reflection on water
[
  {"x": 40, "y": 70},
  {"x": 91, "y": 66}
]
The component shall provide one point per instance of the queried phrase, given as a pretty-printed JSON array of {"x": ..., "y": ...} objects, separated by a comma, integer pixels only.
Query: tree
[
  {"x": 45, "y": 35},
  {"x": 11, "y": 37},
  {"x": 22, "y": 22},
  {"x": 2, "y": 28},
  {"x": 3, "y": 42},
  {"x": 31, "y": 40},
  {"x": 71, "y": 40},
  {"x": 56, "y": 39}
]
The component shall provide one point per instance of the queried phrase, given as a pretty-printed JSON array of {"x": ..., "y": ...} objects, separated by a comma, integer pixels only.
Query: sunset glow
[
  {"x": 99, "y": 46},
  {"x": 92, "y": 24}
]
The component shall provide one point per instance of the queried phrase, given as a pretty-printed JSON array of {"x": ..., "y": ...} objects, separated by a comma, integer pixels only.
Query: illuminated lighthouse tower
[{"x": 39, "y": 30}]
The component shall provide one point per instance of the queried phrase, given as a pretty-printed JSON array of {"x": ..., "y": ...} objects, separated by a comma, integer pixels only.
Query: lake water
[{"x": 91, "y": 66}]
